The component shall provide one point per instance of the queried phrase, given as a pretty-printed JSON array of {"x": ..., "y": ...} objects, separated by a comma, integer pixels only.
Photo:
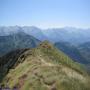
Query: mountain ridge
[{"x": 45, "y": 68}]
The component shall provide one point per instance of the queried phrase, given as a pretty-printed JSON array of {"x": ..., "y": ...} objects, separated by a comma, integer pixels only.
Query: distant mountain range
[
  {"x": 71, "y": 35},
  {"x": 67, "y": 34},
  {"x": 33, "y": 31}
]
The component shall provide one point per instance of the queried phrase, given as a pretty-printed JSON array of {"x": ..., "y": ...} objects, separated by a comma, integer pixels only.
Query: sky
[{"x": 45, "y": 13}]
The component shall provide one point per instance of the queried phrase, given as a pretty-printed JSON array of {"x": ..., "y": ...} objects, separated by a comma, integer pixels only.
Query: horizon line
[{"x": 56, "y": 27}]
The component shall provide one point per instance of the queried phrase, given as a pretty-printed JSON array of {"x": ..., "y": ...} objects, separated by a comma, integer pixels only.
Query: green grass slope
[{"x": 43, "y": 68}]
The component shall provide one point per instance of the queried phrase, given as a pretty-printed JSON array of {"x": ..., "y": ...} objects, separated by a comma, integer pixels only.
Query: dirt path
[{"x": 45, "y": 63}]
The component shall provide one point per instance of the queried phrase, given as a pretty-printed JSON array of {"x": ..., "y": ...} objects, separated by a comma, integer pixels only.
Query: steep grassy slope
[
  {"x": 71, "y": 51},
  {"x": 85, "y": 50},
  {"x": 43, "y": 68}
]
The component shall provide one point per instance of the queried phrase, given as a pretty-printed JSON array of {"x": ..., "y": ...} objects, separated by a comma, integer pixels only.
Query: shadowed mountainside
[{"x": 15, "y": 41}]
